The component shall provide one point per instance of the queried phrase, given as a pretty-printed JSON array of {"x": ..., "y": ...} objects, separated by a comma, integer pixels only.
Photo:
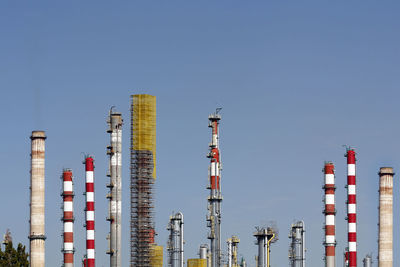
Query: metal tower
[
  {"x": 330, "y": 214},
  {"x": 175, "y": 240},
  {"x": 68, "y": 218},
  {"x": 367, "y": 261},
  {"x": 215, "y": 198},
  {"x": 36, "y": 232},
  {"x": 233, "y": 251},
  {"x": 115, "y": 170},
  {"x": 265, "y": 236},
  {"x": 143, "y": 174},
  {"x": 351, "y": 206},
  {"x": 297, "y": 251}
]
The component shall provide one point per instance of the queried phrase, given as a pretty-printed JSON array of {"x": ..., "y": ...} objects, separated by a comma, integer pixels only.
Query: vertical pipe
[
  {"x": 367, "y": 261},
  {"x": 90, "y": 240},
  {"x": 330, "y": 214},
  {"x": 215, "y": 199},
  {"x": 203, "y": 252},
  {"x": 351, "y": 207},
  {"x": 114, "y": 150},
  {"x": 385, "y": 257},
  {"x": 37, "y": 220},
  {"x": 68, "y": 218}
]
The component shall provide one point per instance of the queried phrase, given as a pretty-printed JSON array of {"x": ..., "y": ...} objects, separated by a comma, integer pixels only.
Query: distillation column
[
  {"x": 297, "y": 252},
  {"x": 261, "y": 235},
  {"x": 115, "y": 170},
  {"x": 330, "y": 214},
  {"x": 385, "y": 256},
  {"x": 351, "y": 206},
  {"x": 143, "y": 175},
  {"x": 90, "y": 240},
  {"x": 68, "y": 218},
  {"x": 233, "y": 251},
  {"x": 36, "y": 233},
  {"x": 367, "y": 261},
  {"x": 175, "y": 240},
  {"x": 215, "y": 198}
]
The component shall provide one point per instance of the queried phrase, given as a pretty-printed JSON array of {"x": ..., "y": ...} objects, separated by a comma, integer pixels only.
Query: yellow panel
[
  {"x": 196, "y": 263},
  {"x": 156, "y": 256},
  {"x": 144, "y": 125}
]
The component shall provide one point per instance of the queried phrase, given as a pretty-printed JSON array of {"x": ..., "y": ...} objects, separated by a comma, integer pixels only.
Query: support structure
[
  {"x": 233, "y": 251},
  {"x": 385, "y": 256},
  {"x": 68, "y": 218},
  {"x": 297, "y": 250},
  {"x": 36, "y": 232},
  {"x": 351, "y": 206},
  {"x": 175, "y": 240},
  {"x": 265, "y": 236},
  {"x": 114, "y": 150},
  {"x": 143, "y": 174},
  {"x": 330, "y": 215},
  {"x": 215, "y": 198},
  {"x": 90, "y": 218}
]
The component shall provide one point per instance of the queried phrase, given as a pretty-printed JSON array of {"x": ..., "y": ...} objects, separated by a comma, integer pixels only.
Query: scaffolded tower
[
  {"x": 114, "y": 208},
  {"x": 68, "y": 218},
  {"x": 36, "y": 232},
  {"x": 330, "y": 214},
  {"x": 265, "y": 236},
  {"x": 351, "y": 206},
  {"x": 385, "y": 256},
  {"x": 297, "y": 251},
  {"x": 143, "y": 174},
  {"x": 215, "y": 198},
  {"x": 175, "y": 240},
  {"x": 90, "y": 240},
  {"x": 233, "y": 251}
]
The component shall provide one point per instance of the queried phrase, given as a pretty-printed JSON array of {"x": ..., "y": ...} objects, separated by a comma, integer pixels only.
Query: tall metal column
[
  {"x": 175, "y": 240},
  {"x": 297, "y": 249},
  {"x": 114, "y": 150},
  {"x": 37, "y": 205},
  {"x": 215, "y": 198}
]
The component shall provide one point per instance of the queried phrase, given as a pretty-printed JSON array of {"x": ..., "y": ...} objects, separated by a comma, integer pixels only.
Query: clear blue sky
[{"x": 296, "y": 80}]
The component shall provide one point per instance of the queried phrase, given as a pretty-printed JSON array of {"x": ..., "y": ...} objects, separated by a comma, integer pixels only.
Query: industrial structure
[
  {"x": 297, "y": 250},
  {"x": 68, "y": 218},
  {"x": 175, "y": 240},
  {"x": 351, "y": 206},
  {"x": 330, "y": 215},
  {"x": 367, "y": 262},
  {"x": 215, "y": 198},
  {"x": 233, "y": 251},
  {"x": 264, "y": 236},
  {"x": 37, "y": 187},
  {"x": 114, "y": 150},
  {"x": 90, "y": 238},
  {"x": 143, "y": 174},
  {"x": 385, "y": 254}
]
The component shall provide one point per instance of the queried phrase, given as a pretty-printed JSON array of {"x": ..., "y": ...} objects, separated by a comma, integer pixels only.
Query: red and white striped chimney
[
  {"x": 351, "y": 206},
  {"x": 90, "y": 241},
  {"x": 68, "y": 218},
  {"x": 330, "y": 212}
]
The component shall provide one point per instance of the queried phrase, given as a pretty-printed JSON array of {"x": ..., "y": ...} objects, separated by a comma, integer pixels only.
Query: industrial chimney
[
  {"x": 36, "y": 234},
  {"x": 385, "y": 256}
]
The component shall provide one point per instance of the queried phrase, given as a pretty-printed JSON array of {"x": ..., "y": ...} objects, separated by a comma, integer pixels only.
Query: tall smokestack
[
  {"x": 215, "y": 198},
  {"x": 90, "y": 240},
  {"x": 115, "y": 196},
  {"x": 385, "y": 257},
  {"x": 351, "y": 206},
  {"x": 36, "y": 234},
  {"x": 68, "y": 218},
  {"x": 330, "y": 213}
]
